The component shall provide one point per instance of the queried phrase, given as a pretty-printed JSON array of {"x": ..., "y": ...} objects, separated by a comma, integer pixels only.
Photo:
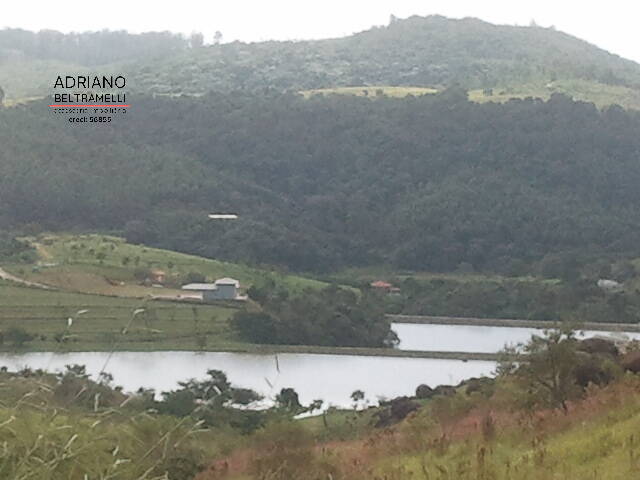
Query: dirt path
[{"x": 4, "y": 275}]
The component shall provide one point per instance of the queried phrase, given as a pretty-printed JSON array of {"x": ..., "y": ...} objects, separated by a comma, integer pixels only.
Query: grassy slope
[
  {"x": 78, "y": 266},
  {"x": 22, "y": 79},
  {"x": 596, "y": 440},
  {"x": 389, "y": 91},
  {"x": 109, "y": 291},
  {"x": 600, "y": 94},
  {"x": 82, "y": 280}
]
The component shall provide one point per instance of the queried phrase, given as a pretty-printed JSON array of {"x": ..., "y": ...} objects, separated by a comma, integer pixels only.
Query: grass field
[
  {"x": 601, "y": 95},
  {"x": 597, "y": 440},
  {"x": 162, "y": 325},
  {"x": 372, "y": 91},
  {"x": 107, "y": 265}
]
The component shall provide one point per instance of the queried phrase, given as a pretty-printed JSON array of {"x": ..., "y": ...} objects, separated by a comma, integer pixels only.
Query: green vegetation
[
  {"x": 332, "y": 316},
  {"x": 98, "y": 322},
  {"x": 373, "y": 91},
  {"x": 423, "y": 184},
  {"x": 69, "y": 427},
  {"x": 600, "y": 94},
  {"x": 109, "y": 265},
  {"x": 66, "y": 426},
  {"x": 515, "y": 298},
  {"x": 14, "y": 250},
  {"x": 498, "y": 62}
]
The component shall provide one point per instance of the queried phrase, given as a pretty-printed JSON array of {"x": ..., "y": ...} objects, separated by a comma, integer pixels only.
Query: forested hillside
[
  {"x": 433, "y": 182},
  {"x": 419, "y": 51},
  {"x": 30, "y": 61},
  {"x": 499, "y": 62}
]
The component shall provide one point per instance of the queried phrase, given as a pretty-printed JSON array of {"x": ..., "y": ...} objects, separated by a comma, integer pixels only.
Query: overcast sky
[{"x": 612, "y": 25}]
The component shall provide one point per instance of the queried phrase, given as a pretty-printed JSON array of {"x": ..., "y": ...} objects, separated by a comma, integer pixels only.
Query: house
[
  {"x": 227, "y": 288},
  {"x": 157, "y": 276},
  {"x": 222, "y": 289},
  {"x": 384, "y": 287}
]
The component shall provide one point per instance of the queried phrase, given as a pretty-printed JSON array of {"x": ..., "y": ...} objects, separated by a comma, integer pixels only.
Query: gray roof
[
  {"x": 200, "y": 286},
  {"x": 228, "y": 281}
]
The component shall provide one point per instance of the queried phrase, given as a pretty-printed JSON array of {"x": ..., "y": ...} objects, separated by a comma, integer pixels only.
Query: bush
[{"x": 18, "y": 336}]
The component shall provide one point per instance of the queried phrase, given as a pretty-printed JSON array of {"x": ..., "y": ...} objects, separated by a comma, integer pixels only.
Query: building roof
[
  {"x": 200, "y": 286},
  {"x": 381, "y": 284},
  {"x": 228, "y": 281}
]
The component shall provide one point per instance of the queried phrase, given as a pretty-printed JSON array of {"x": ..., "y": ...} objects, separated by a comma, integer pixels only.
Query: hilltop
[{"x": 496, "y": 62}]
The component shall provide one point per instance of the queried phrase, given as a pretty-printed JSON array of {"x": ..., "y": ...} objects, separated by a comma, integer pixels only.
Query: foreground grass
[
  {"x": 54, "y": 429},
  {"x": 598, "y": 439}
]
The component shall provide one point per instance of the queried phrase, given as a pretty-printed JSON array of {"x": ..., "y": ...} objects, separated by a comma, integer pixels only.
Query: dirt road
[{"x": 4, "y": 275}]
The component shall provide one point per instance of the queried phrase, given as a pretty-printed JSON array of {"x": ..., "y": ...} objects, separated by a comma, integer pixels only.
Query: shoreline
[{"x": 280, "y": 349}]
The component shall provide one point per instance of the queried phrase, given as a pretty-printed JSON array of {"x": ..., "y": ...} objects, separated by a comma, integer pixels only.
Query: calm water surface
[
  {"x": 331, "y": 378},
  {"x": 472, "y": 338}
]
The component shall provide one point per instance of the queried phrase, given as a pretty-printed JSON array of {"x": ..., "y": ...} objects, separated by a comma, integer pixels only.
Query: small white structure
[
  {"x": 605, "y": 284},
  {"x": 222, "y": 289}
]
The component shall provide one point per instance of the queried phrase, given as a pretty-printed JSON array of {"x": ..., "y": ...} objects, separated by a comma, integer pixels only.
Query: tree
[
  {"x": 1, "y": 96},
  {"x": 196, "y": 40},
  {"x": 288, "y": 400},
  {"x": 546, "y": 369},
  {"x": 217, "y": 37}
]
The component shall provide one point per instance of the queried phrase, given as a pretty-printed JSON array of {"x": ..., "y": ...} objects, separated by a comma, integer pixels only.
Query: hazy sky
[{"x": 612, "y": 25}]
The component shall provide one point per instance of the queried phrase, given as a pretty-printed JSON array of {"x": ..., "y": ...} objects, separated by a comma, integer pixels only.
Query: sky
[{"x": 612, "y": 25}]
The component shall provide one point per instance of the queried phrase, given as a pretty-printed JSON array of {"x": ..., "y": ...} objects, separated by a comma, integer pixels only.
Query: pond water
[
  {"x": 473, "y": 338},
  {"x": 331, "y": 378}
]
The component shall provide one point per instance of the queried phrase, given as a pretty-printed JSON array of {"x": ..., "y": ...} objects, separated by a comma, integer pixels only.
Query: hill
[
  {"x": 497, "y": 62},
  {"x": 423, "y": 183},
  {"x": 99, "y": 281},
  {"x": 107, "y": 265}
]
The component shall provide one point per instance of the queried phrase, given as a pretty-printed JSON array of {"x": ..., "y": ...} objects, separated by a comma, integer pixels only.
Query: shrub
[{"x": 18, "y": 336}]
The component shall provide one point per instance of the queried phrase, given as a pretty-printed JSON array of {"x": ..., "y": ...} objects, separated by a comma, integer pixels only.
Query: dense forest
[
  {"x": 426, "y": 51},
  {"x": 332, "y": 316},
  {"x": 426, "y": 183}
]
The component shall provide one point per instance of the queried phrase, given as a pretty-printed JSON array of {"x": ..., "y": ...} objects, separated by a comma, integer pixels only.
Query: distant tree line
[
  {"x": 89, "y": 48},
  {"x": 331, "y": 317}
]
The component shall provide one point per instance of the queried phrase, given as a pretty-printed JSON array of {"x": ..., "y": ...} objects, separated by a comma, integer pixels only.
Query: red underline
[{"x": 73, "y": 106}]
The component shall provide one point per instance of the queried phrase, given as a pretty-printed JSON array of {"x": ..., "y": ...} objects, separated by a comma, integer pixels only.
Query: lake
[
  {"x": 472, "y": 338},
  {"x": 331, "y": 378}
]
